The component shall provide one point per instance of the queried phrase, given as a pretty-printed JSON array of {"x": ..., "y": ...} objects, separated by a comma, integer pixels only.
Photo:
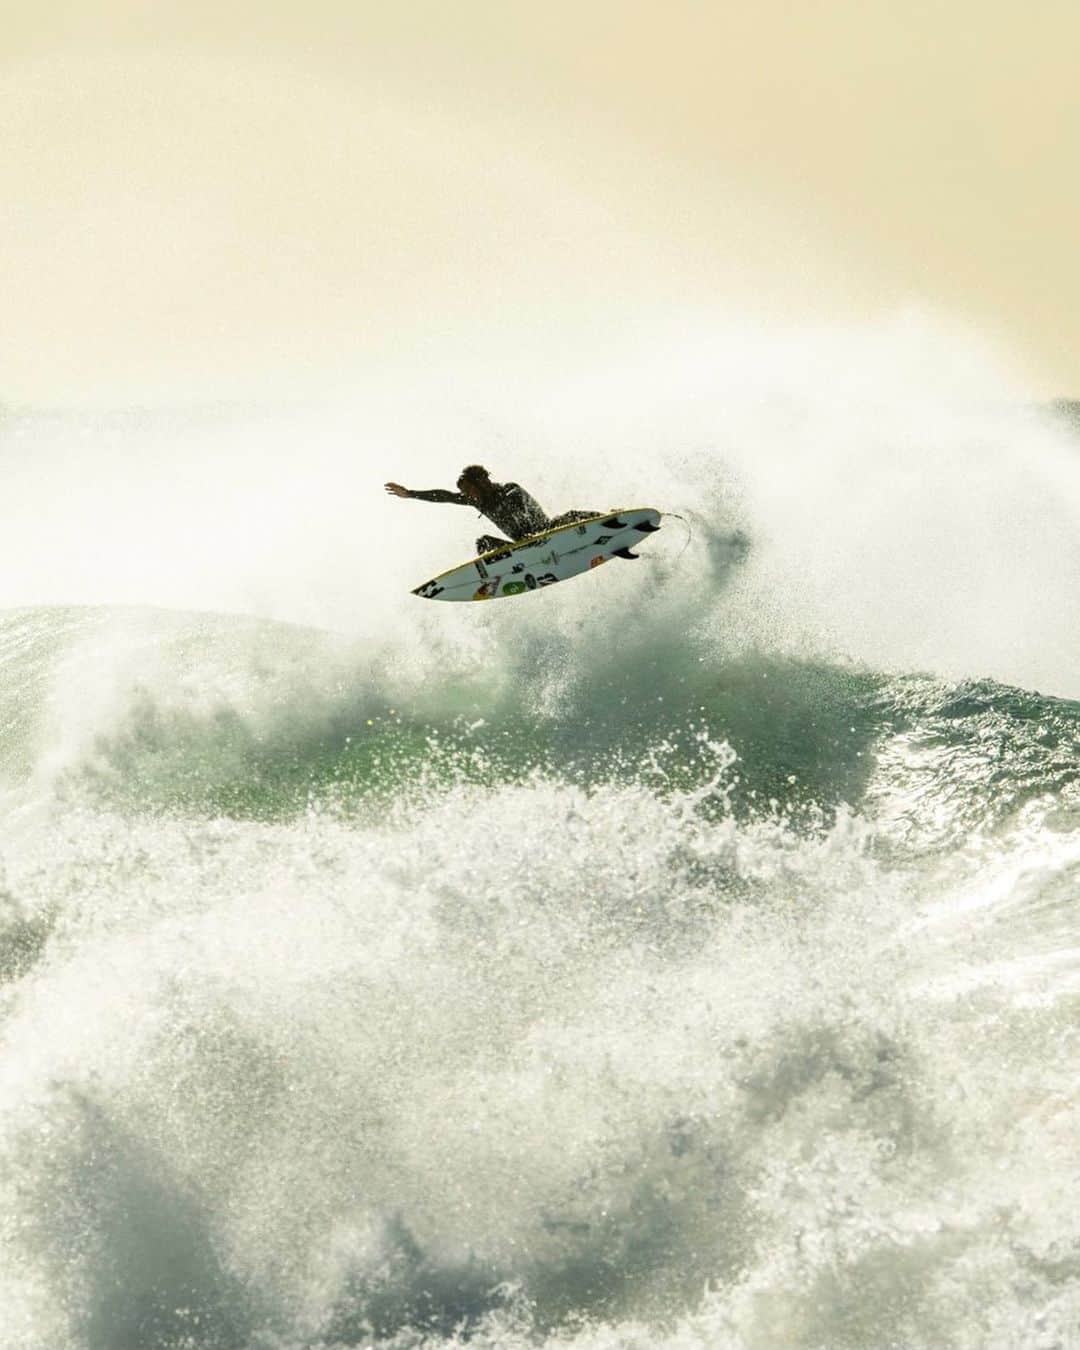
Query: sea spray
[{"x": 689, "y": 963}]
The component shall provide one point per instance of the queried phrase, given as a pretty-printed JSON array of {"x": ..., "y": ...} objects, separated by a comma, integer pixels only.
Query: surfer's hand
[{"x": 397, "y": 490}]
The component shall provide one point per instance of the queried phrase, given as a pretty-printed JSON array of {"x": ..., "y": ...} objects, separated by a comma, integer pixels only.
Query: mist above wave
[{"x": 905, "y": 508}]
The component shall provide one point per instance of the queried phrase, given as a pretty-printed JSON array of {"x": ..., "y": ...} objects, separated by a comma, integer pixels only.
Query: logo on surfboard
[{"x": 546, "y": 559}]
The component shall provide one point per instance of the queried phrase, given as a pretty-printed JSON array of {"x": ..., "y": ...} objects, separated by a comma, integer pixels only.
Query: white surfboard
[{"x": 543, "y": 559}]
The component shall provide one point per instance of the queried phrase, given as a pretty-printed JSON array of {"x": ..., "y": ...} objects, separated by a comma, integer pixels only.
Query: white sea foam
[{"x": 658, "y": 961}]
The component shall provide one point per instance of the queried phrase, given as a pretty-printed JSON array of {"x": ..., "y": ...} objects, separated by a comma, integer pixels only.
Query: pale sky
[{"x": 218, "y": 201}]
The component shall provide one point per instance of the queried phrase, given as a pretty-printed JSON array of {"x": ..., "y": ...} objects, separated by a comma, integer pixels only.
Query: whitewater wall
[{"x": 684, "y": 957}]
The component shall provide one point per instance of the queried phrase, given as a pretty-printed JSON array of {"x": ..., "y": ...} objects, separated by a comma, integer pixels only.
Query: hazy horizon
[{"x": 207, "y": 206}]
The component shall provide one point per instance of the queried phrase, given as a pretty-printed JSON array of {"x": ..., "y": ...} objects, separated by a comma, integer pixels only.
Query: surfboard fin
[{"x": 624, "y": 553}]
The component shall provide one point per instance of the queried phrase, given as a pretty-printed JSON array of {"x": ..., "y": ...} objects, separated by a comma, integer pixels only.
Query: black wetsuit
[{"x": 510, "y": 507}]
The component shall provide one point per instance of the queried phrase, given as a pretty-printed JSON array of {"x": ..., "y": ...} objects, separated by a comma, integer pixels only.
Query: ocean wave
[
  {"x": 531, "y": 1062},
  {"x": 691, "y": 962}
]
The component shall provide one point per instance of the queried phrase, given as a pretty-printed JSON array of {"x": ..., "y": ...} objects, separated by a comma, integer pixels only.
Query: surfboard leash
[{"x": 689, "y": 532}]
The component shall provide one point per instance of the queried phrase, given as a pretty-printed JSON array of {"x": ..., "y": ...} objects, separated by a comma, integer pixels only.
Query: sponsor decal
[
  {"x": 595, "y": 562},
  {"x": 513, "y": 588},
  {"x": 518, "y": 567},
  {"x": 429, "y": 590},
  {"x": 581, "y": 529},
  {"x": 481, "y": 569},
  {"x": 548, "y": 579},
  {"x": 488, "y": 590},
  {"x": 530, "y": 581},
  {"x": 603, "y": 538}
]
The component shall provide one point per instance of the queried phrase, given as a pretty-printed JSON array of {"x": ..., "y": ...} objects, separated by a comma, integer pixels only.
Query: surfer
[{"x": 507, "y": 505}]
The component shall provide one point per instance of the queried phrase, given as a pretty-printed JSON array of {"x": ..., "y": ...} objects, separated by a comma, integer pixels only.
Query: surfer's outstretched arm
[{"x": 429, "y": 495}]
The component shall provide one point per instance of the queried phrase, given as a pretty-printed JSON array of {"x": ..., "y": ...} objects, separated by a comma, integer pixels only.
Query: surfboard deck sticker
[{"x": 541, "y": 560}]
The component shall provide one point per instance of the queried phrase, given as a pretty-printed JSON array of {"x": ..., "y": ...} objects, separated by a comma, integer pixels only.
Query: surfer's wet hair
[{"x": 474, "y": 473}]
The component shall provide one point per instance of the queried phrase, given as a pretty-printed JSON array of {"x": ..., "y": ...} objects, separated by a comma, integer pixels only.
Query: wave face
[{"x": 623, "y": 971}]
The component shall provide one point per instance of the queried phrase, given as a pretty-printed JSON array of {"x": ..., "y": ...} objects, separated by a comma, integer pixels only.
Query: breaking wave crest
[
  {"x": 689, "y": 959},
  {"x": 700, "y": 1006}
]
